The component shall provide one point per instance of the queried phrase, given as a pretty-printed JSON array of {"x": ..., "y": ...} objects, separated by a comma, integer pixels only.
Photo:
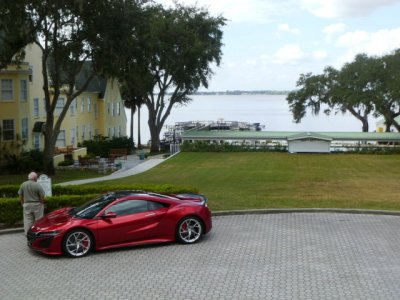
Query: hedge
[
  {"x": 72, "y": 196},
  {"x": 10, "y": 191}
]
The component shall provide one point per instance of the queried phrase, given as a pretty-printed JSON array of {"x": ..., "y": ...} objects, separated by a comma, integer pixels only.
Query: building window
[
  {"x": 90, "y": 131},
  {"x": 24, "y": 128},
  {"x": 72, "y": 135},
  {"x": 30, "y": 77},
  {"x": 8, "y": 130},
  {"x": 36, "y": 108},
  {"x": 72, "y": 108},
  {"x": 59, "y": 106},
  {"x": 83, "y": 132},
  {"x": 77, "y": 133},
  {"x": 89, "y": 105},
  {"x": 7, "y": 90},
  {"x": 23, "y": 90},
  {"x": 61, "y": 139},
  {"x": 118, "y": 108},
  {"x": 83, "y": 105},
  {"x": 113, "y": 109},
  {"x": 119, "y": 131},
  {"x": 108, "y": 108},
  {"x": 95, "y": 110},
  {"x": 36, "y": 141}
]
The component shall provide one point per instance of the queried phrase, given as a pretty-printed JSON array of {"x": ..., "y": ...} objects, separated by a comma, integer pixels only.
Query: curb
[
  {"x": 306, "y": 210},
  {"x": 11, "y": 230},
  {"x": 272, "y": 211}
]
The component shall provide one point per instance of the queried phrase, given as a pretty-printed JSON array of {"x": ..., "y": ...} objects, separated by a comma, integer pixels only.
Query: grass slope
[{"x": 282, "y": 180}]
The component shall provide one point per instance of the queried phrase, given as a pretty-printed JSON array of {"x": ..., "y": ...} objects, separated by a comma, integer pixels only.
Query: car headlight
[{"x": 47, "y": 234}]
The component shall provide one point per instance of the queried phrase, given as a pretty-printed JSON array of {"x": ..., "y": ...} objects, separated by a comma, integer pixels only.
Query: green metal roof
[{"x": 287, "y": 135}]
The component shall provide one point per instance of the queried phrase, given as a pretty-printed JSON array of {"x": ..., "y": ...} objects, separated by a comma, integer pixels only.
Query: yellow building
[{"x": 99, "y": 110}]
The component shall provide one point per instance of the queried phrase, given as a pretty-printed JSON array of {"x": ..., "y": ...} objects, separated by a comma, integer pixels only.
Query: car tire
[
  {"x": 78, "y": 243},
  {"x": 189, "y": 230}
]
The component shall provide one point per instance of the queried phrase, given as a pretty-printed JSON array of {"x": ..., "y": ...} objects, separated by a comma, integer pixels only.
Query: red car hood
[{"x": 55, "y": 218}]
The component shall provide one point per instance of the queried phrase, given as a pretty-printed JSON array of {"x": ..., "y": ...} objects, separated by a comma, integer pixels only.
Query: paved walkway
[
  {"x": 131, "y": 166},
  {"x": 266, "y": 256}
]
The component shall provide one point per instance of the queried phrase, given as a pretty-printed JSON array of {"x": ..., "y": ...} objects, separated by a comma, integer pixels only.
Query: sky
[{"x": 269, "y": 43}]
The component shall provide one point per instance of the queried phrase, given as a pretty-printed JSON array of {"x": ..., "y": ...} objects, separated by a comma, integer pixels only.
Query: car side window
[
  {"x": 155, "y": 205},
  {"x": 128, "y": 207}
]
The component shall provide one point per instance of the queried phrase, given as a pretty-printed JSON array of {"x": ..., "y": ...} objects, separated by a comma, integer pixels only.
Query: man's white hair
[{"x": 32, "y": 176}]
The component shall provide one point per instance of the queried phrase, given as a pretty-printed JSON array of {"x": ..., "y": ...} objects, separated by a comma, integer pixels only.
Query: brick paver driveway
[{"x": 272, "y": 256}]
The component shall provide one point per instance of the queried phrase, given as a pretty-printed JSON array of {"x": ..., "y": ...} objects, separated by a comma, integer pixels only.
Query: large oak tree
[
  {"x": 74, "y": 36},
  {"x": 177, "y": 47},
  {"x": 365, "y": 86}
]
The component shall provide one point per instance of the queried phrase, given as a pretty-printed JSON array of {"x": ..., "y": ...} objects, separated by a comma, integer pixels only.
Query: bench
[{"x": 118, "y": 152}]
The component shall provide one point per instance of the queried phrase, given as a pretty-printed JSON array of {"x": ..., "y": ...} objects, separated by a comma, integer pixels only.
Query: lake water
[{"x": 269, "y": 110}]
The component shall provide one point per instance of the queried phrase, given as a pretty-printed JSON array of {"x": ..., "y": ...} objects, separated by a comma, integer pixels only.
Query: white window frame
[
  {"x": 36, "y": 141},
  {"x": 24, "y": 128},
  {"x": 61, "y": 139},
  {"x": 89, "y": 104},
  {"x": 36, "y": 107},
  {"x": 72, "y": 136},
  {"x": 7, "y": 89},
  {"x": 83, "y": 132},
  {"x": 72, "y": 108},
  {"x": 8, "y": 129},
  {"x": 23, "y": 90},
  {"x": 59, "y": 106}
]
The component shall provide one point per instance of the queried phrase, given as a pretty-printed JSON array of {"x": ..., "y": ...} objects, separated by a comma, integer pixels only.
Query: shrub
[
  {"x": 205, "y": 146},
  {"x": 65, "y": 163},
  {"x": 101, "y": 146},
  {"x": 23, "y": 162}
]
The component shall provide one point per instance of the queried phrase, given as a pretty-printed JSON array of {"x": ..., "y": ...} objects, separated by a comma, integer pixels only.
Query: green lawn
[{"x": 282, "y": 180}]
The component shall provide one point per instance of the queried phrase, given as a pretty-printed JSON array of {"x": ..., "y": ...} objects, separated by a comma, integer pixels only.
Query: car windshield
[{"x": 93, "y": 207}]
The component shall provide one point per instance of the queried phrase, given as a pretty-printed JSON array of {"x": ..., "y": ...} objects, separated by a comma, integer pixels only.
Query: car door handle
[{"x": 151, "y": 214}]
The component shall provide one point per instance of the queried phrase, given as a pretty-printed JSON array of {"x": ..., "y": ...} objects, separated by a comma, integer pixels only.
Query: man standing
[{"x": 31, "y": 195}]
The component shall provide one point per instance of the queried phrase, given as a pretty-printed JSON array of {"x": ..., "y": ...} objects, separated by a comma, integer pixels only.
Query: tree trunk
[
  {"x": 49, "y": 146},
  {"x": 139, "y": 141},
  {"x": 363, "y": 118},
  {"x": 396, "y": 125},
  {"x": 131, "y": 125},
  {"x": 155, "y": 135},
  {"x": 365, "y": 125}
]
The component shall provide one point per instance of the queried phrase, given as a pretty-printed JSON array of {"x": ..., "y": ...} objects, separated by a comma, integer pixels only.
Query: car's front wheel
[
  {"x": 189, "y": 230},
  {"x": 78, "y": 243}
]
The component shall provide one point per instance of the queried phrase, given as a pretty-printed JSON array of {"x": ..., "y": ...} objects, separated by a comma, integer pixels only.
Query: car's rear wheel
[
  {"x": 78, "y": 243},
  {"x": 189, "y": 230}
]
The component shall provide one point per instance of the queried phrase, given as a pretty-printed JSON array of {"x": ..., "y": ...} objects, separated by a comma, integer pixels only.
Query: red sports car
[{"x": 120, "y": 219}]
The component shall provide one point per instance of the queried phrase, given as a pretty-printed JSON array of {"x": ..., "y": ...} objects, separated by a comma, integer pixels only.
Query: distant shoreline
[{"x": 266, "y": 92}]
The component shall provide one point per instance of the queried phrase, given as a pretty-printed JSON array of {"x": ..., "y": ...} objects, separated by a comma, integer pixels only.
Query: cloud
[
  {"x": 319, "y": 54},
  {"x": 250, "y": 11},
  {"x": 288, "y": 54},
  {"x": 333, "y": 29},
  {"x": 344, "y": 8},
  {"x": 372, "y": 43},
  {"x": 286, "y": 28}
]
